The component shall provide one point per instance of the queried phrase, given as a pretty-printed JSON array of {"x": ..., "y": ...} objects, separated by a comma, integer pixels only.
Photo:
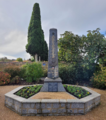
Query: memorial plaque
[{"x": 52, "y": 87}]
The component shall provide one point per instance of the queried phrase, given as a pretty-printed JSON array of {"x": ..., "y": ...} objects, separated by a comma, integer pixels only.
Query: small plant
[
  {"x": 76, "y": 91},
  {"x": 19, "y": 59},
  {"x": 44, "y": 72},
  {"x": 98, "y": 80},
  {"x": 4, "y": 78},
  {"x": 33, "y": 71},
  {"x": 27, "y": 92},
  {"x": 12, "y": 70},
  {"x": 64, "y": 85},
  {"x": 15, "y": 80}
]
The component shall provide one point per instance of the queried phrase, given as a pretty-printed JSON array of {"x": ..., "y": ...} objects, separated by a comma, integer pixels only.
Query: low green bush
[
  {"x": 73, "y": 73},
  {"x": 67, "y": 74},
  {"x": 15, "y": 80},
  {"x": 19, "y": 59},
  {"x": 33, "y": 71},
  {"x": 98, "y": 80},
  {"x": 22, "y": 72},
  {"x": 12, "y": 70},
  {"x": 45, "y": 72}
]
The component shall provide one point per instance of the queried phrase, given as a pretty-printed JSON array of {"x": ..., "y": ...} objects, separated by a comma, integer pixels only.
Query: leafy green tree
[
  {"x": 35, "y": 36},
  {"x": 95, "y": 46},
  {"x": 102, "y": 56},
  {"x": 19, "y": 59},
  {"x": 70, "y": 46},
  {"x": 83, "y": 52}
]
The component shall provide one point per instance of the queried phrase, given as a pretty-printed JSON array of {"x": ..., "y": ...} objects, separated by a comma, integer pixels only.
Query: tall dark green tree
[
  {"x": 44, "y": 51},
  {"x": 35, "y": 34}
]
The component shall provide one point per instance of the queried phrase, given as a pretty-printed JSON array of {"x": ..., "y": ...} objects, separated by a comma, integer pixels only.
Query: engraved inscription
[
  {"x": 56, "y": 71},
  {"x": 53, "y": 40},
  {"x": 52, "y": 87}
]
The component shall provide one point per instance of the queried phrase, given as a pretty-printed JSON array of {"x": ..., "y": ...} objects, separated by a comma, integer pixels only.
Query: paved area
[{"x": 53, "y": 95}]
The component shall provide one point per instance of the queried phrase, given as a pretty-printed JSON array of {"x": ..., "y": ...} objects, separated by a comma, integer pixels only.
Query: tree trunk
[
  {"x": 39, "y": 59},
  {"x": 36, "y": 59}
]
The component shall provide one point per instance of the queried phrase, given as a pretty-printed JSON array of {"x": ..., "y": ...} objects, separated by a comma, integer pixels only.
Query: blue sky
[{"x": 77, "y": 16}]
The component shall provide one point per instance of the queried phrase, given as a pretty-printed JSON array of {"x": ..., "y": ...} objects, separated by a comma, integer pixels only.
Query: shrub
[
  {"x": 67, "y": 74},
  {"x": 12, "y": 70},
  {"x": 33, "y": 71},
  {"x": 15, "y": 80},
  {"x": 98, "y": 80},
  {"x": 72, "y": 73},
  {"x": 22, "y": 72},
  {"x": 19, "y": 60},
  {"x": 44, "y": 73},
  {"x": 4, "y": 78}
]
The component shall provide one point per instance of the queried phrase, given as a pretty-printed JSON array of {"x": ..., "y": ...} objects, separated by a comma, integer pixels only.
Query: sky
[{"x": 76, "y": 16}]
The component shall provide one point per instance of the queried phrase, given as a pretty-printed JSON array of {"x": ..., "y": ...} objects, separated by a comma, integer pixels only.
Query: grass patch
[
  {"x": 77, "y": 91},
  {"x": 29, "y": 91}
]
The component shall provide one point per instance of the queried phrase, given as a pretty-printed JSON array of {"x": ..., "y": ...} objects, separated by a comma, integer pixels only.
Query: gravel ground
[{"x": 98, "y": 113}]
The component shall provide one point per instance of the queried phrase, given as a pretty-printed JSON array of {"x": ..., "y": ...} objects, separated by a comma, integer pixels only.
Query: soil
[
  {"x": 82, "y": 92},
  {"x": 26, "y": 94}
]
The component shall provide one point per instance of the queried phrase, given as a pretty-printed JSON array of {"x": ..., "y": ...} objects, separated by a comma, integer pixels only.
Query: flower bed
[
  {"x": 29, "y": 91},
  {"x": 76, "y": 91}
]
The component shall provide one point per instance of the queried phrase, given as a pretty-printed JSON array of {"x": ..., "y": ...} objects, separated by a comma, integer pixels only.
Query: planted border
[
  {"x": 77, "y": 91},
  {"x": 29, "y": 91}
]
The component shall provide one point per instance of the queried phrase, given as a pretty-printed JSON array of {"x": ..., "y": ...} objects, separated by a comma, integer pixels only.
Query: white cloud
[
  {"x": 65, "y": 15},
  {"x": 14, "y": 42},
  {"x": 9, "y": 57}
]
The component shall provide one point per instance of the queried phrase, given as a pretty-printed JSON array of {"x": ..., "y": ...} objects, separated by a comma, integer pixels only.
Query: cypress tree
[
  {"x": 45, "y": 51},
  {"x": 35, "y": 39}
]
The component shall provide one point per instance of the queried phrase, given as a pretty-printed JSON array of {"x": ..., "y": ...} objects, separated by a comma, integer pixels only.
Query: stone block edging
[{"x": 51, "y": 107}]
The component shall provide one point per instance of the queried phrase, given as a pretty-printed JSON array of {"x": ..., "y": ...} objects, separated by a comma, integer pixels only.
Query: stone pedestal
[{"x": 52, "y": 85}]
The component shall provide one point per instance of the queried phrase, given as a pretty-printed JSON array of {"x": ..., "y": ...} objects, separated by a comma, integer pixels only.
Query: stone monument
[{"x": 53, "y": 82}]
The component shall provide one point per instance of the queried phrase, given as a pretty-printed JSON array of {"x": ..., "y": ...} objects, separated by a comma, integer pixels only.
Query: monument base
[{"x": 52, "y": 85}]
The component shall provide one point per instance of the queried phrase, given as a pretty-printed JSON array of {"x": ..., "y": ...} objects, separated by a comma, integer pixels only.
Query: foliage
[
  {"x": 4, "y": 78},
  {"x": 45, "y": 72},
  {"x": 77, "y": 91},
  {"x": 19, "y": 59},
  {"x": 44, "y": 56},
  {"x": 70, "y": 74},
  {"x": 70, "y": 46},
  {"x": 94, "y": 46},
  {"x": 27, "y": 92},
  {"x": 67, "y": 73},
  {"x": 82, "y": 52},
  {"x": 15, "y": 80},
  {"x": 36, "y": 43},
  {"x": 4, "y": 59},
  {"x": 98, "y": 80},
  {"x": 33, "y": 71},
  {"x": 12, "y": 70},
  {"x": 32, "y": 59}
]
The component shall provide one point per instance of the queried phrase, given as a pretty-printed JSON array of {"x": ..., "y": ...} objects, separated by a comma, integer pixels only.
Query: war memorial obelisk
[{"x": 53, "y": 82}]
